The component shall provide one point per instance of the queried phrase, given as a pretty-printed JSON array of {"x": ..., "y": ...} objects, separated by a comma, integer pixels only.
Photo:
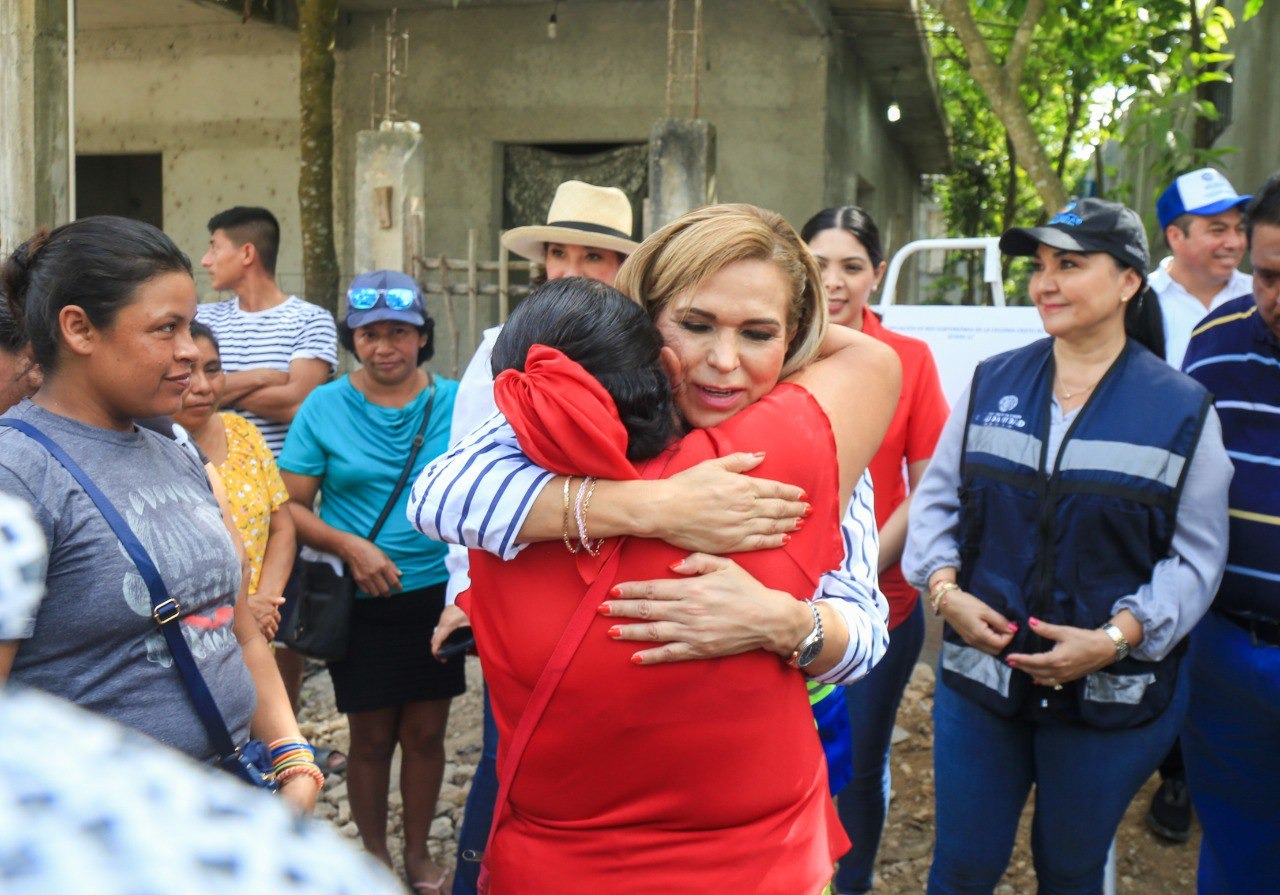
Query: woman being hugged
[
  {"x": 350, "y": 443},
  {"x": 107, "y": 304},
  {"x": 713, "y": 775},
  {"x": 846, "y": 244},
  {"x": 255, "y": 493},
  {"x": 1071, "y": 530}
]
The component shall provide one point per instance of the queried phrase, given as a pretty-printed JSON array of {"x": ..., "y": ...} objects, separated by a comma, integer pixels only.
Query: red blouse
[{"x": 690, "y": 777}]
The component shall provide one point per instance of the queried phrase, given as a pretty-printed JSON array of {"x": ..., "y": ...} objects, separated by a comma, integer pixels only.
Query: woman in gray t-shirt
[{"x": 107, "y": 303}]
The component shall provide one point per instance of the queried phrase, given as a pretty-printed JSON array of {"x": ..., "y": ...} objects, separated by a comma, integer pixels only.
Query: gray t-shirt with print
[{"x": 93, "y": 641}]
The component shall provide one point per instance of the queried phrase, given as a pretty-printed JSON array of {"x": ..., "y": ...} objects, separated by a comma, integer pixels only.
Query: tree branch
[{"x": 1016, "y": 62}]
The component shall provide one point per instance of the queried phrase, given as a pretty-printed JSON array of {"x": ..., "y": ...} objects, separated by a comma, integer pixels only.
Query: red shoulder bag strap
[{"x": 571, "y": 638}]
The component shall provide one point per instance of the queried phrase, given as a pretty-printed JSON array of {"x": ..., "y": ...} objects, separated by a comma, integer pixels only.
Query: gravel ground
[{"x": 1144, "y": 863}]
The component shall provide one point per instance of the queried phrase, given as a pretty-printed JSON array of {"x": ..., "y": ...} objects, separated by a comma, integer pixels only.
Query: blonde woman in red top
[{"x": 846, "y": 243}]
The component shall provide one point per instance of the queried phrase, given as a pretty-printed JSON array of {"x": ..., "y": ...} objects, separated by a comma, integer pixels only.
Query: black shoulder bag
[{"x": 321, "y": 624}]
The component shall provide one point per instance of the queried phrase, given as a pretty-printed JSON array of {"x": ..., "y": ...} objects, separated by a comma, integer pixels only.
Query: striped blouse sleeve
[
  {"x": 853, "y": 590},
  {"x": 479, "y": 493}
]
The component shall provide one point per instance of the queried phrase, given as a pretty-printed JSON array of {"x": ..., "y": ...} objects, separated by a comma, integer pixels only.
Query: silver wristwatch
[
  {"x": 1118, "y": 638},
  {"x": 808, "y": 649}
]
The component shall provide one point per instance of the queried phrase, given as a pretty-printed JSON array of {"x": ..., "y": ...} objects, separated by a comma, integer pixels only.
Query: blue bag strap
[{"x": 164, "y": 608}]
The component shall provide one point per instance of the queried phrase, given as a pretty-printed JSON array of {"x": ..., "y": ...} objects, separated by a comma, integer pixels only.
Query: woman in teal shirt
[{"x": 350, "y": 439}]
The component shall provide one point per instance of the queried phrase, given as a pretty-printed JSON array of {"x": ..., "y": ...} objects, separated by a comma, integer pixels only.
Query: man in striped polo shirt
[
  {"x": 275, "y": 347},
  {"x": 1232, "y": 737}
]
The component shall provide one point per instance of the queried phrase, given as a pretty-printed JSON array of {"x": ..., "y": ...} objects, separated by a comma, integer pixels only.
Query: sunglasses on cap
[{"x": 397, "y": 298}]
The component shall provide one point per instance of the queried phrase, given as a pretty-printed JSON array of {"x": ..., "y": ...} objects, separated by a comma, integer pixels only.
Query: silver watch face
[{"x": 809, "y": 653}]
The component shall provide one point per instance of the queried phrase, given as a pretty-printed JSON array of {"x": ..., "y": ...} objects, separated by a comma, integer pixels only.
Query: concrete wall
[
  {"x": 220, "y": 102},
  {"x": 481, "y": 77},
  {"x": 863, "y": 164}
]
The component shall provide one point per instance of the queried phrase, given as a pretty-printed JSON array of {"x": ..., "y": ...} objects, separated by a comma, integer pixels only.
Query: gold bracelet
[
  {"x": 588, "y": 488},
  {"x": 938, "y": 596},
  {"x": 568, "y": 545}
]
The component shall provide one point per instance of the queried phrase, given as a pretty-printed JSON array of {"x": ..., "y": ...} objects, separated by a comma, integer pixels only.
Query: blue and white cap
[{"x": 1202, "y": 192}]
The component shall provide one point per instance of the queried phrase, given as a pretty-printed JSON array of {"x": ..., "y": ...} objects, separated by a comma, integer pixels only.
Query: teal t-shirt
[{"x": 357, "y": 450}]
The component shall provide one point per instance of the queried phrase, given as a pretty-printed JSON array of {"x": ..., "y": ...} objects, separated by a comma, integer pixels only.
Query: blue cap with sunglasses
[{"x": 384, "y": 295}]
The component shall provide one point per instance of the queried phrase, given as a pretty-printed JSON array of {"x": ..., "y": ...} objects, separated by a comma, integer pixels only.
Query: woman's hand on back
[
  {"x": 373, "y": 570},
  {"x": 715, "y": 508},
  {"x": 720, "y": 611}
]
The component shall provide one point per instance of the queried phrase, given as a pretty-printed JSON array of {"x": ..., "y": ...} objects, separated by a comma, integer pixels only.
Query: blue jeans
[
  {"x": 984, "y": 767},
  {"x": 873, "y": 705},
  {"x": 1232, "y": 746},
  {"x": 477, "y": 816}
]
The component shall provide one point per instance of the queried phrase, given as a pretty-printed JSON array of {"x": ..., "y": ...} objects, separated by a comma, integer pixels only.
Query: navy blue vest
[{"x": 1064, "y": 547}]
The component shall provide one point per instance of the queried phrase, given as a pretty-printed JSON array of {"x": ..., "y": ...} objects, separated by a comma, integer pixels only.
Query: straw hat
[{"x": 580, "y": 214}]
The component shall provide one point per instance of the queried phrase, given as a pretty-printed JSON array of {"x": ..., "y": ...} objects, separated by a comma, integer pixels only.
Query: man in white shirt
[{"x": 1200, "y": 216}]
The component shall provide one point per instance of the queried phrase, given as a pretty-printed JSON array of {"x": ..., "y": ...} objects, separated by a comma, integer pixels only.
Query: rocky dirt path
[{"x": 1145, "y": 864}]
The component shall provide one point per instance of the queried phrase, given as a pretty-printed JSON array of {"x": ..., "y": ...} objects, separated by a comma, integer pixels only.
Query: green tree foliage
[{"x": 1024, "y": 84}]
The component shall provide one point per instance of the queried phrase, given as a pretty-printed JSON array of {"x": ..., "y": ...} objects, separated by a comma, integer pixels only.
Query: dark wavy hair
[
  {"x": 1264, "y": 207},
  {"x": 95, "y": 263},
  {"x": 612, "y": 338},
  {"x": 852, "y": 219}
]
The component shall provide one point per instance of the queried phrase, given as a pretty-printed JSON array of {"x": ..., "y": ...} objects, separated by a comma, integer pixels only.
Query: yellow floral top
[{"x": 254, "y": 488}]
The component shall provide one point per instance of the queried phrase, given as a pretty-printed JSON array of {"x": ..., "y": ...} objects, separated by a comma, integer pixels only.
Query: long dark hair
[
  {"x": 95, "y": 263},
  {"x": 852, "y": 219},
  {"x": 1144, "y": 321},
  {"x": 612, "y": 338}
]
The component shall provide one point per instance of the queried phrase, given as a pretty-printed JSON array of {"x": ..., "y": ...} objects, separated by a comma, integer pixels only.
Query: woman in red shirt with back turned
[{"x": 846, "y": 243}]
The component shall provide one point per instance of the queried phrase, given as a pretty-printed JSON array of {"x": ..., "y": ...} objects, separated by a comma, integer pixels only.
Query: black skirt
[{"x": 389, "y": 661}]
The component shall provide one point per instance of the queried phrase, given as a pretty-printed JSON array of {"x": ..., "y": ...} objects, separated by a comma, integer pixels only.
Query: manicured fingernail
[
  {"x": 1009, "y": 662},
  {"x": 675, "y": 566},
  {"x": 615, "y": 631},
  {"x": 1033, "y": 621},
  {"x": 808, "y": 509},
  {"x": 1013, "y": 626},
  {"x": 615, "y": 591},
  {"x": 758, "y": 454},
  {"x": 604, "y": 609},
  {"x": 799, "y": 524},
  {"x": 636, "y": 660},
  {"x": 804, "y": 495},
  {"x": 786, "y": 539}
]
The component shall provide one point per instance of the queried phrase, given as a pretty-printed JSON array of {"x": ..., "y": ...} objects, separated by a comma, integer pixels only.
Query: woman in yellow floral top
[{"x": 254, "y": 490}]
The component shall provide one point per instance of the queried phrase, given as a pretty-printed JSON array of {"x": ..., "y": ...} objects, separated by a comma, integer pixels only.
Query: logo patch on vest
[{"x": 1005, "y": 416}]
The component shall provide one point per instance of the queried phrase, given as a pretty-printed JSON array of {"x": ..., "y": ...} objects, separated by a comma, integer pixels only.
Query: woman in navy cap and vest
[
  {"x": 352, "y": 439},
  {"x": 1070, "y": 530}
]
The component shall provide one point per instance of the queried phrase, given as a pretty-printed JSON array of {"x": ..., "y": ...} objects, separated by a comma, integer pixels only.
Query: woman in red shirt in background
[{"x": 846, "y": 243}]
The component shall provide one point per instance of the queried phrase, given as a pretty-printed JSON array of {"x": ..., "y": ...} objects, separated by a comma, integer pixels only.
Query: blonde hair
[{"x": 675, "y": 260}]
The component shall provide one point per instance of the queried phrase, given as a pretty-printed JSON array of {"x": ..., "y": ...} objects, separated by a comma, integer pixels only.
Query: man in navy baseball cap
[{"x": 1200, "y": 216}]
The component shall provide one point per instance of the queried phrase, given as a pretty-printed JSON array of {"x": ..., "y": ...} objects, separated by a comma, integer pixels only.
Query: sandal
[
  {"x": 331, "y": 761},
  {"x": 431, "y": 888}
]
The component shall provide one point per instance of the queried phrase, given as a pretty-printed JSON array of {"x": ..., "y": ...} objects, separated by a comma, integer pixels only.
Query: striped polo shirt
[
  {"x": 1236, "y": 356},
  {"x": 274, "y": 338}
]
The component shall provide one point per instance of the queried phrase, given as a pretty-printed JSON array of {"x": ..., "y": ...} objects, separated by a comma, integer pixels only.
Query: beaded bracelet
[
  {"x": 568, "y": 545},
  {"x": 311, "y": 770}
]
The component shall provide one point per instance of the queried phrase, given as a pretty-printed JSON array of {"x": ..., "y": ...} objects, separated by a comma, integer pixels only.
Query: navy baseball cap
[
  {"x": 384, "y": 295},
  {"x": 1202, "y": 192},
  {"x": 1087, "y": 225}
]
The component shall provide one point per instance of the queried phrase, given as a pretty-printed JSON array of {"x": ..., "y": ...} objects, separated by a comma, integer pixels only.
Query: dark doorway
[{"x": 126, "y": 185}]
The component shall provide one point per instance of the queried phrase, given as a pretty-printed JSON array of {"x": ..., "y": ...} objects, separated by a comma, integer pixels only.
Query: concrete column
[
  {"x": 35, "y": 142},
  {"x": 682, "y": 168},
  {"x": 391, "y": 169}
]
